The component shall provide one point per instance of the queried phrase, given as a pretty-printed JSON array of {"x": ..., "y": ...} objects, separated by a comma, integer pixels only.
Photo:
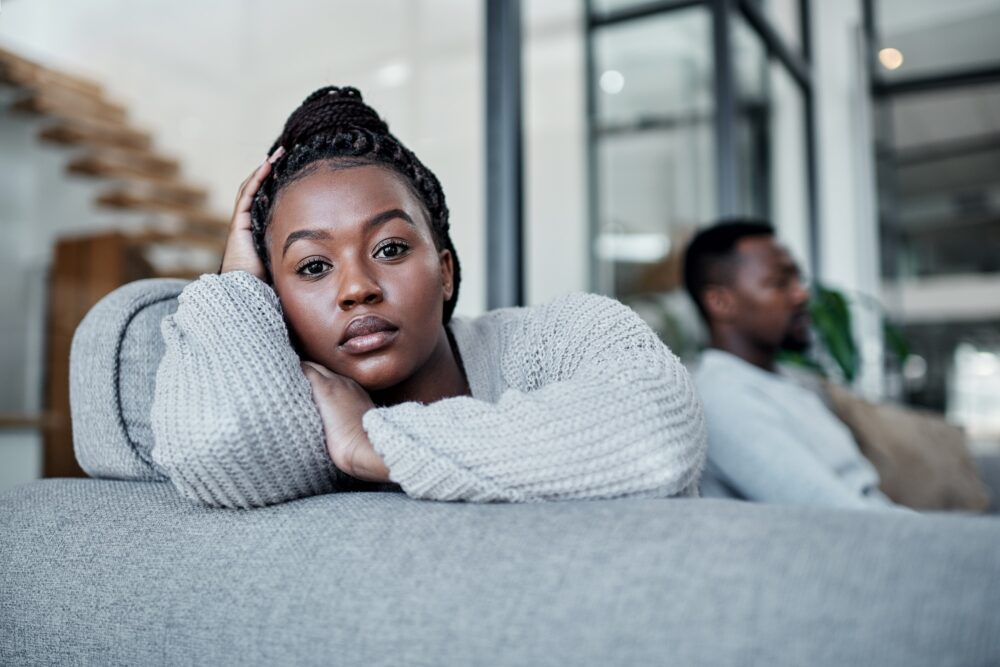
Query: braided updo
[{"x": 335, "y": 125}]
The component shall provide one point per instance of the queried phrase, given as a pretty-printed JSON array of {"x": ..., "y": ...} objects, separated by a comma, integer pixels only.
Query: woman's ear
[{"x": 447, "y": 273}]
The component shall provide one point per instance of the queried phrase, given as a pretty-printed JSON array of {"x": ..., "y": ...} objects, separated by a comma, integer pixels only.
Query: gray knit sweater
[{"x": 577, "y": 398}]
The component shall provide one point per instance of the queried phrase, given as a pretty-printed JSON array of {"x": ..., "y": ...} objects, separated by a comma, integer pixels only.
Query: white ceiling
[{"x": 936, "y": 36}]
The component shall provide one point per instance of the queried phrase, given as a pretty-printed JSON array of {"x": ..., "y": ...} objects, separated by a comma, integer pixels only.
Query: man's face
[
  {"x": 770, "y": 301},
  {"x": 352, "y": 245}
]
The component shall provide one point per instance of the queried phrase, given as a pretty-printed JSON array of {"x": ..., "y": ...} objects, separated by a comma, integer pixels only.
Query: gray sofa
[{"x": 124, "y": 571}]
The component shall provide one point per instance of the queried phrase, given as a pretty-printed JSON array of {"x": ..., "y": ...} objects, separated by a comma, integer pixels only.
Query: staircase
[
  {"x": 151, "y": 222},
  {"x": 132, "y": 174}
]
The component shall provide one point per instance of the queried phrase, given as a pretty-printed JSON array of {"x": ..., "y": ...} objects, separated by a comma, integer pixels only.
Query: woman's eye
[
  {"x": 312, "y": 268},
  {"x": 391, "y": 250}
]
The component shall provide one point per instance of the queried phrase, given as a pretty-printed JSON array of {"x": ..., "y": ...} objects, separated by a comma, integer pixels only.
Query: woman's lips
[
  {"x": 366, "y": 333},
  {"x": 369, "y": 342}
]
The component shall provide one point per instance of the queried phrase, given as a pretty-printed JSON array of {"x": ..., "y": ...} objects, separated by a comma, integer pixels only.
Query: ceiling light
[
  {"x": 612, "y": 82},
  {"x": 890, "y": 58},
  {"x": 392, "y": 75}
]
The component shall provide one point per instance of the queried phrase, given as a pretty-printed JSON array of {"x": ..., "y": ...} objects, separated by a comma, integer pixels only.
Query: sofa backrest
[{"x": 113, "y": 361}]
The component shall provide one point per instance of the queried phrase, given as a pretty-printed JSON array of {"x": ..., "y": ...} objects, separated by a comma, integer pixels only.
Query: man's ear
[
  {"x": 719, "y": 302},
  {"x": 447, "y": 273}
]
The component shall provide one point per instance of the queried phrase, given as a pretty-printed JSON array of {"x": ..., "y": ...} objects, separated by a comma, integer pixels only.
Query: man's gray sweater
[{"x": 772, "y": 440}]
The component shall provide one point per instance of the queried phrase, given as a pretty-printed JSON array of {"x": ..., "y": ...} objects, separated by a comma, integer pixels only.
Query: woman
[{"x": 339, "y": 254}]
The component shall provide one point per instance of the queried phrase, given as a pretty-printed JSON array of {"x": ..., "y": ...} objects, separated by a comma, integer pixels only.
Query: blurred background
[{"x": 867, "y": 131}]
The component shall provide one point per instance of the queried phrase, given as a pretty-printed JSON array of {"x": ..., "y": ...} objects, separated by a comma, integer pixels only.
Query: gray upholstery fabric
[
  {"x": 113, "y": 361},
  {"x": 988, "y": 467},
  {"x": 128, "y": 573},
  {"x": 104, "y": 572}
]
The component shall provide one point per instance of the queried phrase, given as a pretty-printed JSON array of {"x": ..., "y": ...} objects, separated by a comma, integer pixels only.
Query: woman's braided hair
[{"x": 335, "y": 125}]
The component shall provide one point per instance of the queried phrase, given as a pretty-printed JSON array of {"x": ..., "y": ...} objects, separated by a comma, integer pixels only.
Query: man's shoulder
[
  {"x": 726, "y": 380},
  {"x": 718, "y": 369}
]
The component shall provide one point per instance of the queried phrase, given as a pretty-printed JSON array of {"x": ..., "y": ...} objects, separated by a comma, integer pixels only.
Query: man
[{"x": 769, "y": 439}]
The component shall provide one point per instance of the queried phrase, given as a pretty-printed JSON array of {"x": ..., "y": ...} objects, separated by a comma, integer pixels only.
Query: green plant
[{"x": 832, "y": 323}]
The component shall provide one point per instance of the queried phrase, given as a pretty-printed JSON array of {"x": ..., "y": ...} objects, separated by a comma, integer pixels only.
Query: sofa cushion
[
  {"x": 922, "y": 460},
  {"x": 113, "y": 361},
  {"x": 129, "y": 573}
]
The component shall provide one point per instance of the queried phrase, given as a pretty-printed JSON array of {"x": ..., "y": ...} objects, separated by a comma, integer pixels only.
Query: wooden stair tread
[
  {"x": 18, "y": 420},
  {"x": 109, "y": 161},
  {"x": 81, "y": 115},
  {"x": 199, "y": 219},
  {"x": 64, "y": 106},
  {"x": 180, "y": 238},
  {"x": 88, "y": 132},
  {"x": 161, "y": 190},
  {"x": 19, "y": 71}
]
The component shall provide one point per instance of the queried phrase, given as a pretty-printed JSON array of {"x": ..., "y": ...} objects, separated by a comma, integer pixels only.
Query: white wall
[
  {"x": 789, "y": 177},
  {"x": 848, "y": 235},
  {"x": 557, "y": 242}
]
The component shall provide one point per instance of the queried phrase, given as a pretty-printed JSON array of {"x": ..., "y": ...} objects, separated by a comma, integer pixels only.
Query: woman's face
[{"x": 359, "y": 278}]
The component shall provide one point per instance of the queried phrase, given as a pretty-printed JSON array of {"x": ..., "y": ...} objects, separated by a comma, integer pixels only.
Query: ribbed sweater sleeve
[
  {"x": 234, "y": 424},
  {"x": 596, "y": 407}
]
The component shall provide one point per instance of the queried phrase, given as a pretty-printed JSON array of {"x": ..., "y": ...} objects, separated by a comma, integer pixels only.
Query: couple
[{"x": 324, "y": 356}]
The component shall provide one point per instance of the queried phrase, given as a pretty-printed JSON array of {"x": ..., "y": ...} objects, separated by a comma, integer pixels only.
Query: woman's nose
[{"x": 358, "y": 286}]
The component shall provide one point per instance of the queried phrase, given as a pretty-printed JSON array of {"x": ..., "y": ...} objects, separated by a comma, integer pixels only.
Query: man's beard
[{"x": 798, "y": 336}]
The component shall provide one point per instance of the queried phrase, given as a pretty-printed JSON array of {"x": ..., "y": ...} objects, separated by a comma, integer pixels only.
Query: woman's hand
[
  {"x": 342, "y": 403},
  {"x": 240, "y": 254}
]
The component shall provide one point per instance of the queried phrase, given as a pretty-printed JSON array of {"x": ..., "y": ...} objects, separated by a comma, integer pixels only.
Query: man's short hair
[{"x": 710, "y": 256}]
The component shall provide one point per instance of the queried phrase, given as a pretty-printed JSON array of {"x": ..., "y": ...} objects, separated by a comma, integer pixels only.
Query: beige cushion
[{"x": 922, "y": 460}]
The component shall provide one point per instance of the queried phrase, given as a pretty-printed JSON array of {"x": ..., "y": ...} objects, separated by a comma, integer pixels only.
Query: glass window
[
  {"x": 654, "y": 160},
  {"x": 655, "y": 187},
  {"x": 789, "y": 183},
  {"x": 752, "y": 109},
  {"x": 939, "y": 168},
  {"x": 939, "y": 209},
  {"x": 974, "y": 389},
  {"x": 771, "y": 141},
  {"x": 785, "y": 17},
  {"x": 654, "y": 70}
]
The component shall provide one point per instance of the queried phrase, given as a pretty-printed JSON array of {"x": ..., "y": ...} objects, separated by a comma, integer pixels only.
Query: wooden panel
[
  {"x": 83, "y": 271},
  {"x": 64, "y": 293}
]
